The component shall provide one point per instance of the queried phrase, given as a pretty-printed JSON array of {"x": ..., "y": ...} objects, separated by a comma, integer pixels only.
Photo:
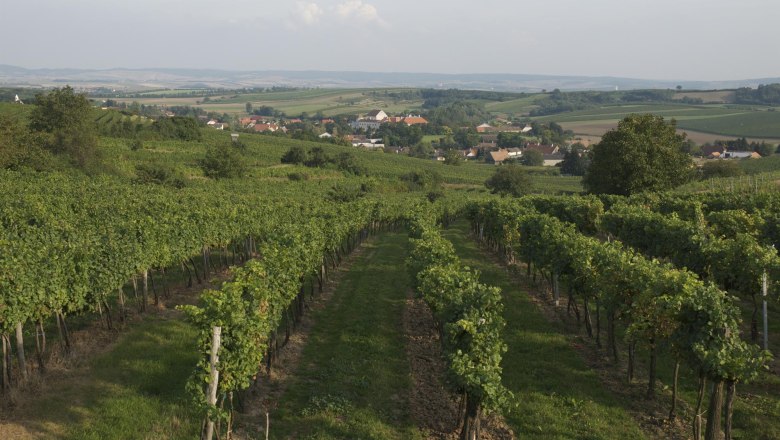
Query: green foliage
[
  {"x": 20, "y": 148},
  {"x": 177, "y": 127},
  {"x": 223, "y": 161},
  {"x": 468, "y": 314},
  {"x": 560, "y": 102},
  {"x": 642, "y": 154},
  {"x": 400, "y": 134},
  {"x": 316, "y": 158},
  {"x": 721, "y": 168},
  {"x": 532, "y": 158},
  {"x": 348, "y": 163},
  {"x": 458, "y": 114},
  {"x": 159, "y": 174},
  {"x": 347, "y": 192},
  {"x": 66, "y": 119},
  {"x": 295, "y": 155},
  {"x": 453, "y": 157},
  {"x": 575, "y": 163},
  {"x": 658, "y": 302},
  {"x": 509, "y": 180},
  {"x": 422, "y": 180},
  {"x": 765, "y": 94},
  {"x": 297, "y": 177}
]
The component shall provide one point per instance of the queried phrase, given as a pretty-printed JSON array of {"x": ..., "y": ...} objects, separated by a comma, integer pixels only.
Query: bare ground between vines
[{"x": 433, "y": 408}]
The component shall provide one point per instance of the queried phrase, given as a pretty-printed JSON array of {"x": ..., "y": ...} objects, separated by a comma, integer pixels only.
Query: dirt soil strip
[
  {"x": 434, "y": 409},
  {"x": 86, "y": 344},
  {"x": 651, "y": 415},
  {"x": 268, "y": 388}
]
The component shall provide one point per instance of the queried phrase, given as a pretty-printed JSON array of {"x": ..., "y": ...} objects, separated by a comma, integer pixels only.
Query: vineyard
[{"x": 548, "y": 316}]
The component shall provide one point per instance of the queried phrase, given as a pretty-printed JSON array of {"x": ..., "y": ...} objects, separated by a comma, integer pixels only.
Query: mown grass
[
  {"x": 353, "y": 378},
  {"x": 133, "y": 391},
  {"x": 557, "y": 395}
]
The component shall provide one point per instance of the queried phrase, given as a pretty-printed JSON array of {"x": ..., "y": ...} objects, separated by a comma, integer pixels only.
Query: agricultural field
[
  {"x": 703, "y": 123},
  {"x": 329, "y": 102}
]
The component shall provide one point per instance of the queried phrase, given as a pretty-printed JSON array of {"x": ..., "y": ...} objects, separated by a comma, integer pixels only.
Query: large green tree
[
  {"x": 509, "y": 180},
  {"x": 644, "y": 153},
  {"x": 67, "y": 120}
]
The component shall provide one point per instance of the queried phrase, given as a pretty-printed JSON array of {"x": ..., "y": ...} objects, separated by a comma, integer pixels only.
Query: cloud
[
  {"x": 307, "y": 13},
  {"x": 357, "y": 10}
]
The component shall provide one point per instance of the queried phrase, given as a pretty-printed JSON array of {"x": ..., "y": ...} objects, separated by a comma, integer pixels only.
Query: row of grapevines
[
  {"x": 70, "y": 243},
  {"x": 270, "y": 289},
  {"x": 469, "y": 318},
  {"x": 659, "y": 305}
]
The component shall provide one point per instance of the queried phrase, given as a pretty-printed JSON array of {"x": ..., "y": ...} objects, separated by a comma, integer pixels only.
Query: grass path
[
  {"x": 133, "y": 391},
  {"x": 353, "y": 378},
  {"x": 558, "y": 396}
]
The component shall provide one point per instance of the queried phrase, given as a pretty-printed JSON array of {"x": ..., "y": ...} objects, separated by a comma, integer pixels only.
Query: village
[{"x": 498, "y": 142}]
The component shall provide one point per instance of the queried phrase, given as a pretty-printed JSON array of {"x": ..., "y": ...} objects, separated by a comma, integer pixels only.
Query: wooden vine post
[
  {"x": 766, "y": 318},
  {"x": 216, "y": 334}
]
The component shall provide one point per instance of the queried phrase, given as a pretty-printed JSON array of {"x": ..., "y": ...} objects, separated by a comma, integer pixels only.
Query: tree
[
  {"x": 453, "y": 157},
  {"x": 21, "y": 149},
  {"x": 575, "y": 163},
  {"x": 509, "y": 180},
  {"x": 764, "y": 149},
  {"x": 294, "y": 155},
  {"x": 66, "y": 117},
  {"x": 532, "y": 158},
  {"x": 466, "y": 138},
  {"x": 223, "y": 161},
  {"x": 317, "y": 158},
  {"x": 249, "y": 107},
  {"x": 644, "y": 153}
]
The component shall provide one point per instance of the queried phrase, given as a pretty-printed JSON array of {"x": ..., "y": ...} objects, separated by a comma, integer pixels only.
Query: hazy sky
[{"x": 654, "y": 39}]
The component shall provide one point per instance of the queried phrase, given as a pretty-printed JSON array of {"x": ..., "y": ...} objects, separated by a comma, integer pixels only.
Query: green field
[
  {"x": 712, "y": 120},
  {"x": 329, "y": 102}
]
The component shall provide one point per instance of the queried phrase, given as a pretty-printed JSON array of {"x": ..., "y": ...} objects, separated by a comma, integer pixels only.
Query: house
[
  {"x": 327, "y": 121},
  {"x": 394, "y": 119},
  {"x": 261, "y": 118},
  {"x": 496, "y": 157},
  {"x": 245, "y": 121},
  {"x": 483, "y": 128},
  {"x": 414, "y": 120},
  {"x": 514, "y": 153},
  {"x": 260, "y": 128},
  {"x": 526, "y": 129},
  {"x": 367, "y": 143},
  {"x": 544, "y": 149},
  {"x": 740, "y": 155},
  {"x": 365, "y": 124},
  {"x": 325, "y": 135},
  {"x": 219, "y": 126},
  {"x": 376, "y": 115},
  {"x": 470, "y": 153},
  {"x": 551, "y": 160}
]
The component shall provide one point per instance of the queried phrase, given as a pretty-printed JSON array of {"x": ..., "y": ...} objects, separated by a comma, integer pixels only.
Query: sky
[{"x": 658, "y": 39}]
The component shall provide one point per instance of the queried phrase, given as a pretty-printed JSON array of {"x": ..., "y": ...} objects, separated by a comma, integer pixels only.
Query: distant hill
[{"x": 139, "y": 79}]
